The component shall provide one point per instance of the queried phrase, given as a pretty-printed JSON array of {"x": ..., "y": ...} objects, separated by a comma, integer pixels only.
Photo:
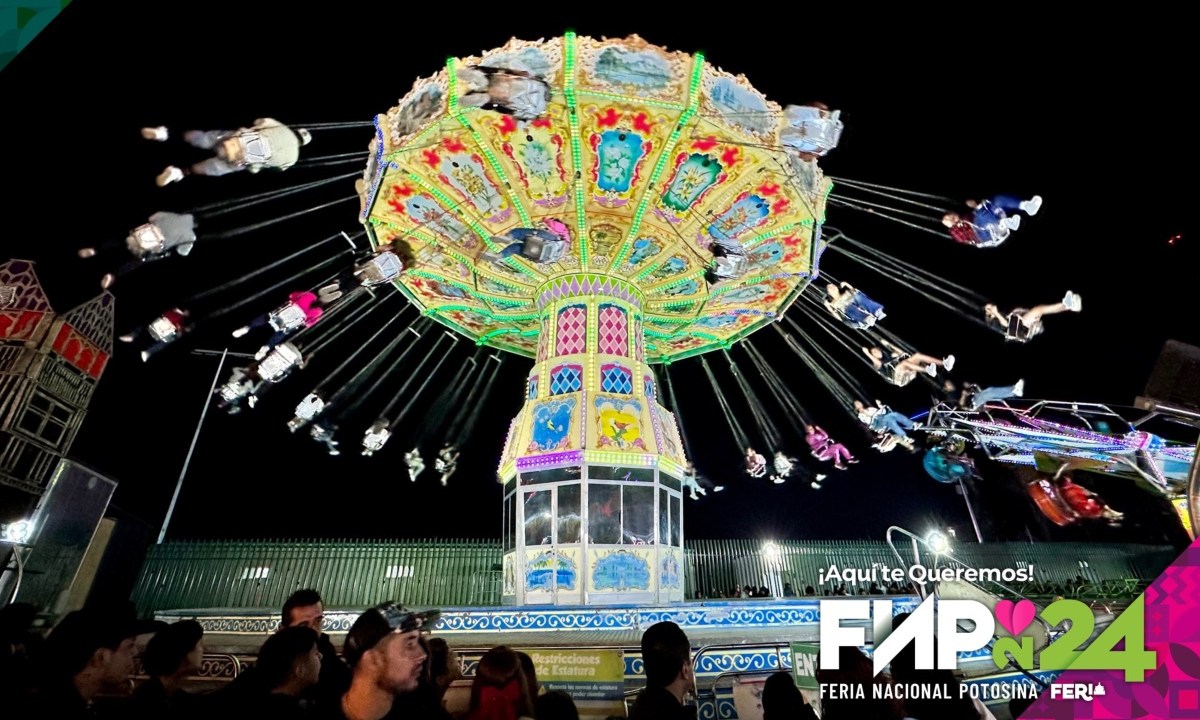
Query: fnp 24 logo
[{"x": 969, "y": 625}]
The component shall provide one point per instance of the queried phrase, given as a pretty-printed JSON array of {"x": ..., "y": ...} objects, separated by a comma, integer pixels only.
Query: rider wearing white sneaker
[
  {"x": 976, "y": 397},
  {"x": 1022, "y": 325},
  {"x": 267, "y": 143},
  {"x": 991, "y": 221},
  {"x": 165, "y": 233},
  {"x": 900, "y": 367}
]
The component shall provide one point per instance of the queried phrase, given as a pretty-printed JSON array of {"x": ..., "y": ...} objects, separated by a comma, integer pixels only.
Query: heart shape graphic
[{"x": 1015, "y": 617}]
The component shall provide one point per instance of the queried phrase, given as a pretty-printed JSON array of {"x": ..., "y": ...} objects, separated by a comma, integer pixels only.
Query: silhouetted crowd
[{"x": 389, "y": 668}]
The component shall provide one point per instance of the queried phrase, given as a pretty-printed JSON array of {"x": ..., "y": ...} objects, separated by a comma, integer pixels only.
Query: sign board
[
  {"x": 595, "y": 679},
  {"x": 585, "y": 674},
  {"x": 804, "y": 665}
]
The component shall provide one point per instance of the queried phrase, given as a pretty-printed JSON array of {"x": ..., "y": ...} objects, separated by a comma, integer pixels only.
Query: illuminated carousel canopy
[{"x": 650, "y": 158}]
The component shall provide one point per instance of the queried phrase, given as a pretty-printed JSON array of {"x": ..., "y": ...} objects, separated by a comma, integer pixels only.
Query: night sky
[{"x": 1092, "y": 121}]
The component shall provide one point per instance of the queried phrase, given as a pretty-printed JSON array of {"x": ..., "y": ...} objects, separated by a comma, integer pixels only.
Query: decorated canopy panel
[{"x": 646, "y": 156}]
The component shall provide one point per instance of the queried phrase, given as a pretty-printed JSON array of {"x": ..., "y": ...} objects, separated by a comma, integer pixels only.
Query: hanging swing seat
[
  {"x": 287, "y": 318},
  {"x": 1018, "y": 330}
]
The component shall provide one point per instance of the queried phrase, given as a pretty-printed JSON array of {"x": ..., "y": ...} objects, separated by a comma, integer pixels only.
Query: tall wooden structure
[{"x": 50, "y": 363}]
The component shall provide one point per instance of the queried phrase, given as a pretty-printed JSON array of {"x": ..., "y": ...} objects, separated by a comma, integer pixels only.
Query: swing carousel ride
[{"x": 598, "y": 207}]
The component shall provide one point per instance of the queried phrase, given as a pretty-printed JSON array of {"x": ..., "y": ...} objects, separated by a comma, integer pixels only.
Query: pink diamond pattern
[
  {"x": 572, "y": 330},
  {"x": 587, "y": 285},
  {"x": 613, "y": 333}
]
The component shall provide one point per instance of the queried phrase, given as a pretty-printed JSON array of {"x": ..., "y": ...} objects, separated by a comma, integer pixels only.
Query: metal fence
[
  {"x": 715, "y": 567},
  {"x": 348, "y": 573},
  {"x": 446, "y": 573}
]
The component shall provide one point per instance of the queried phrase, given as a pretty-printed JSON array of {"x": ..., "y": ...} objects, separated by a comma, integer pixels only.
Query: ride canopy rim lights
[{"x": 606, "y": 162}]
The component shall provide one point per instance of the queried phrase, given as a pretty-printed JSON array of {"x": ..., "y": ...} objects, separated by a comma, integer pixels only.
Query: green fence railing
[
  {"x": 446, "y": 573},
  {"x": 714, "y": 567},
  {"x": 242, "y": 574}
]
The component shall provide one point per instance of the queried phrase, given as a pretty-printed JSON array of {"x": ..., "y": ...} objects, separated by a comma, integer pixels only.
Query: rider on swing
[
  {"x": 415, "y": 464},
  {"x": 1023, "y": 325},
  {"x": 756, "y": 464},
  {"x": 447, "y": 462}
]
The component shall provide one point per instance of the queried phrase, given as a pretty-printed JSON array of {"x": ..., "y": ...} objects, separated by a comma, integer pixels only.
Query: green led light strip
[
  {"x": 693, "y": 352},
  {"x": 449, "y": 203},
  {"x": 751, "y": 329},
  {"x": 486, "y": 313},
  {"x": 465, "y": 288},
  {"x": 505, "y": 282},
  {"x": 677, "y": 303},
  {"x": 475, "y": 226},
  {"x": 642, "y": 275},
  {"x": 518, "y": 318},
  {"x": 666, "y": 286},
  {"x": 512, "y": 262},
  {"x": 663, "y": 156},
  {"x": 576, "y": 153},
  {"x": 754, "y": 241},
  {"x": 640, "y": 101},
  {"x": 451, "y": 88},
  {"x": 429, "y": 239},
  {"x": 406, "y": 292},
  {"x": 825, "y": 199},
  {"x": 745, "y": 282},
  {"x": 701, "y": 335},
  {"x": 413, "y": 140},
  {"x": 442, "y": 279},
  {"x": 433, "y": 313},
  {"x": 801, "y": 277},
  {"x": 479, "y": 143}
]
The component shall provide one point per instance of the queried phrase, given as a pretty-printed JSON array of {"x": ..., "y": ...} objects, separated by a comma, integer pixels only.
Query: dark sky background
[{"x": 1091, "y": 120}]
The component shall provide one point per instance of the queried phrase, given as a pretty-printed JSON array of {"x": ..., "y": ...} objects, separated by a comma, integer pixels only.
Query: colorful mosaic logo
[{"x": 1168, "y": 616}]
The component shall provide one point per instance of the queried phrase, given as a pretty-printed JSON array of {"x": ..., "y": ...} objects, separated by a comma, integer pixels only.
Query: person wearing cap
[
  {"x": 172, "y": 655},
  {"x": 667, "y": 659},
  {"x": 386, "y": 658},
  {"x": 267, "y": 143},
  {"x": 87, "y": 653}
]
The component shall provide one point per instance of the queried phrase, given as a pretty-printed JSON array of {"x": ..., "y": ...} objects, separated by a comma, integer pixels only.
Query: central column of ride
[{"x": 593, "y": 508}]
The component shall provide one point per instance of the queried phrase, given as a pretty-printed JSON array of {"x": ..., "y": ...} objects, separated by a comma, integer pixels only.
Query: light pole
[
  {"x": 17, "y": 536},
  {"x": 962, "y": 486},
  {"x": 196, "y": 435}
]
